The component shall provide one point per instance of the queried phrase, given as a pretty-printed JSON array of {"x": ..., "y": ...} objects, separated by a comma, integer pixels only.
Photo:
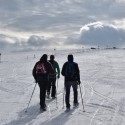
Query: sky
[{"x": 57, "y": 23}]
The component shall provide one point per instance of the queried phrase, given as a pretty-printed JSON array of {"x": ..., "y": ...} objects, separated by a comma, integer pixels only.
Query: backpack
[
  {"x": 69, "y": 70},
  {"x": 40, "y": 68},
  {"x": 54, "y": 69}
]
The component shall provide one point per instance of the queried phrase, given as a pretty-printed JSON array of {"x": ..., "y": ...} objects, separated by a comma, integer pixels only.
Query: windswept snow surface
[{"x": 103, "y": 89}]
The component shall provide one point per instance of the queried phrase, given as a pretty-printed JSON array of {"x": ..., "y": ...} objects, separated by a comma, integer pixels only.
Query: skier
[
  {"x": 71, "y": 73},
  {"x": 41, "y": 72},
  {"x": 52, "y": 78}
]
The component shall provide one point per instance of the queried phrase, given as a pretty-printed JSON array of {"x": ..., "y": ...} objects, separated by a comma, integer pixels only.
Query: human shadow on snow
[
  {"x": 25, "y": 117},
  {"x": 60, "y": 119}
]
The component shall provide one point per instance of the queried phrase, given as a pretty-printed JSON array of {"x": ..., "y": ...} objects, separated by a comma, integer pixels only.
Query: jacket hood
[
  {"x": 44, "y": 58},
  {"x": 70, "y": 58}
]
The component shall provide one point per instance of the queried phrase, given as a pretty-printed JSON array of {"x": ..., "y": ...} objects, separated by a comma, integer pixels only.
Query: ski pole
[
  {"x": 56, "y": 94},
  {"x": 31, "y": 97},
  {"x": 63, "y": 96},
  {"x": 81, "y": 98},
  {"x": 57, "y": 82},
  {"x": 0, "y": 57}
]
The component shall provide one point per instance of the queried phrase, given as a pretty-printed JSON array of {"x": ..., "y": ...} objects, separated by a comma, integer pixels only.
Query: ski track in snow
[
  {"x": 105, "y": 100},
  {"x": 101, "y": 107}
]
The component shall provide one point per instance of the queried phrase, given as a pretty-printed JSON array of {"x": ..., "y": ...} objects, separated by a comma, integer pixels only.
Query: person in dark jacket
[
  {"x": 53, "y": 78},
  {"x": 41, "y": 72},
  {"x": 71, "y": 80}
]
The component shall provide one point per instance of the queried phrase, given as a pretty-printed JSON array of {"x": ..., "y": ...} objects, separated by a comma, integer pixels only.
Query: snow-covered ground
[{"x": 103, "y": 89}]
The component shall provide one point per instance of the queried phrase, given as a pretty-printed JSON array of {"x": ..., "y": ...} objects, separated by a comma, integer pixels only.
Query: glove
[
  {"x": 35, "y": 80},
  {"x": 79, "y": 82}
]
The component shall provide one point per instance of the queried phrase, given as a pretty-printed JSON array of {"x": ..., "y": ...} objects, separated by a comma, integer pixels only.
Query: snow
[{"x": 102, "y": 84}]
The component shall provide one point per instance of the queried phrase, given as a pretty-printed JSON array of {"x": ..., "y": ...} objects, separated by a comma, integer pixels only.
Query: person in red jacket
[{"x": 41, "y": 72}]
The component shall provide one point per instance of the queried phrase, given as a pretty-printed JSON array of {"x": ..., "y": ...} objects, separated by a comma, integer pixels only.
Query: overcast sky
[{"x": 62, "y": 22}]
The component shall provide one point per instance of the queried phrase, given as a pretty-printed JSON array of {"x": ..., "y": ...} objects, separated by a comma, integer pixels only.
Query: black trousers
[
  {"x": 68, "y": 85},
  {"x": 43, "y": 88},
  {"x": 52, "y": 84}
]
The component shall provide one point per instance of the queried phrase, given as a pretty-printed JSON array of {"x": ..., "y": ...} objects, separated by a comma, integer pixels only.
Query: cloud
[
  {"x": 37, "y": 41},
  {"x": 7, "y": 42},
  {"x": 100, "y": 34}
]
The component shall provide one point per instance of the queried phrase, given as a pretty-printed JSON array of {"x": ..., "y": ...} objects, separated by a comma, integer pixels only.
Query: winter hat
[{"x": 52, "y": 57}]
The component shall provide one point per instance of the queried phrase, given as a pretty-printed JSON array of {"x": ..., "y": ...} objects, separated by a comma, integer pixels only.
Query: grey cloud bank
[
  {"x": 37, "y": 41},
  {"x": 7, "y": 42},
  {"x": 92, "y": 34}
]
